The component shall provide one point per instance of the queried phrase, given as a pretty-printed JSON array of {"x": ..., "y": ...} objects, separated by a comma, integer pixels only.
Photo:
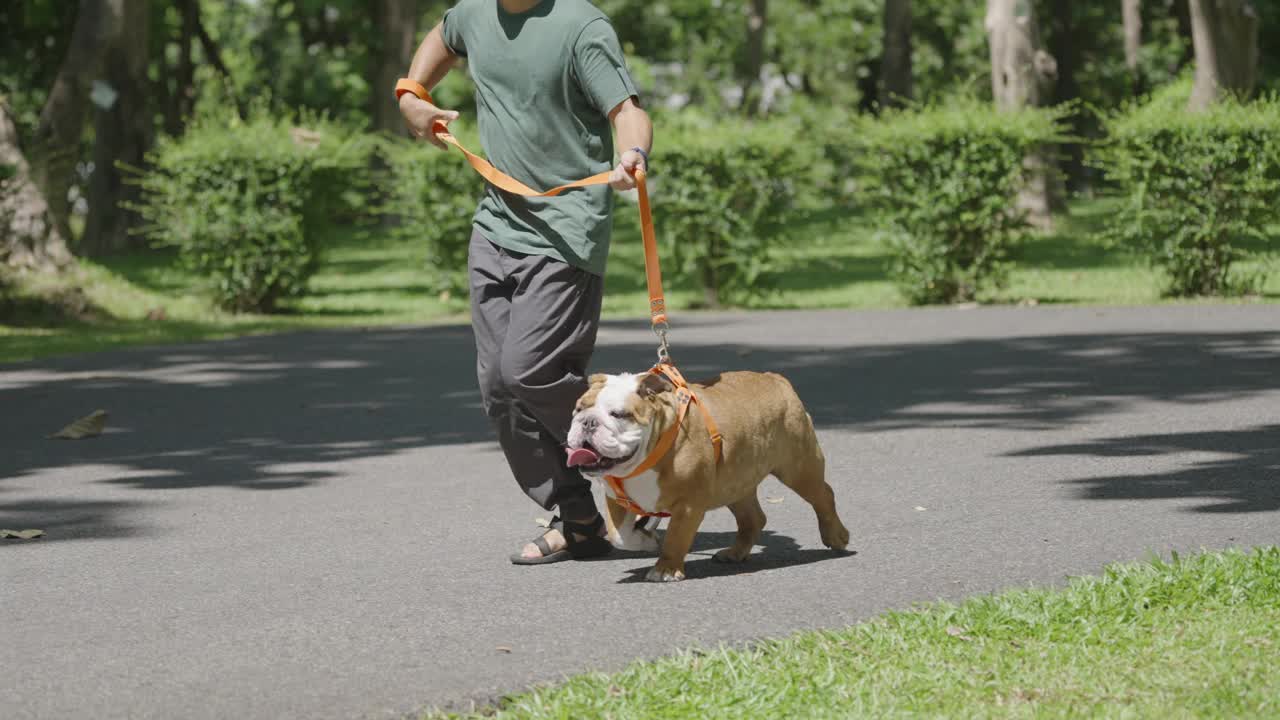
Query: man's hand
[
  {"x": 622, "y": 177},
  {"x": 421, "y": 116}
]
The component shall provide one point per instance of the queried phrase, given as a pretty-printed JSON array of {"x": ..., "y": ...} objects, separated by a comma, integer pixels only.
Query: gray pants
[{"x": 535, "y": 321}]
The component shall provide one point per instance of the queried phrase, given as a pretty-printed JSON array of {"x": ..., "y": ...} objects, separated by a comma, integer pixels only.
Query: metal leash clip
[{"x": 664, "y": 350}]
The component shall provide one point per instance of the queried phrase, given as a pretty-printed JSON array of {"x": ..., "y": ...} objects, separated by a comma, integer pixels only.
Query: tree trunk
[
  {"x": 895, "y": 67},
  {"x": 1132, "y": 11},
  {"x": 122, "y": 135},
  {"x": 1180, "y": 11},
  {"x": 1065, "y": 47},
  {"x": 1225, "y": 35},
  {"x": 1022, "y": 75},
  {"x": 395, "y": 27},
  {"x": 56, "y": 145},
  {"x": 29, "y": 235},
  {"x": 182, "y": 101},
  {"x": 757, "y": 19}
]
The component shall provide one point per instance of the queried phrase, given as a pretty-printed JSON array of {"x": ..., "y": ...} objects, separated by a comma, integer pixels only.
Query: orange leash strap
[
  {"x": 652, "y": 268},
  {"x": 503, "y": 181},
  {"x": 652, "y": 271}
]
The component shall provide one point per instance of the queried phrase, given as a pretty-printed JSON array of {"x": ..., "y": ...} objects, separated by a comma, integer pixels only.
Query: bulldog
[{"x": 766, "y": 431}]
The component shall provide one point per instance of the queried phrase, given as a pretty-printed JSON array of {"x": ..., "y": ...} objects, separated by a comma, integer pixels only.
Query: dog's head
[{"x": 617, "y": 421}]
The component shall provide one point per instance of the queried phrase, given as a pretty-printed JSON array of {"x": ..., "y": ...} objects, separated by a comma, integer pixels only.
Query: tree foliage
[{"x": 812, "y": 66}]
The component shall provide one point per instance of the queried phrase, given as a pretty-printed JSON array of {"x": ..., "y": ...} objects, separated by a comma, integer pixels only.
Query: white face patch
[{"x": 607, "y": 428}]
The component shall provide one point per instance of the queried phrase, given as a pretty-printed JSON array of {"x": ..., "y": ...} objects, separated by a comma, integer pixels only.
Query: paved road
[{"x": 316, "y": 525}]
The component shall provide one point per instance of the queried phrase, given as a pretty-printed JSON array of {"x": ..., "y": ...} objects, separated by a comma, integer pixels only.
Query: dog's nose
[{"x": 590, "y": 422}]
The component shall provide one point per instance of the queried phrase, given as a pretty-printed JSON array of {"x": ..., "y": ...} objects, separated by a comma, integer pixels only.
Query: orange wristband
[{"x": 405, "y": 85}]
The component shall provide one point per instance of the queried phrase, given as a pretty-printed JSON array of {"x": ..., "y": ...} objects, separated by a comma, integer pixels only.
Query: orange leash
[
  {"x": 503, "y": 181},
  {"x": 652, "y": 270}
]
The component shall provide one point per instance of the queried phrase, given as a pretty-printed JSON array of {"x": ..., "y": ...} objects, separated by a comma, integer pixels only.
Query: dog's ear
[
  {"x": 655, "y": 384},
  {"x": 595, "y": 384}
]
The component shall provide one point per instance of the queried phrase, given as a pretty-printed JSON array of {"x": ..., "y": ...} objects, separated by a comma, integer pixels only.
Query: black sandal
[{"x": 591, "y": 544}]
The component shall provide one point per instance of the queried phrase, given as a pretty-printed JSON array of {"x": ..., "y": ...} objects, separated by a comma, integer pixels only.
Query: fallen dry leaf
[
  {"x": 157, "y": 314},
  {"x": 504, "y": 649},
  {"x": 774, "y": 499},
  {"x": 87, "y": 426},
  {"x": 957, "y": 632},
  {"x": 921, "y": 508},
  {"x": 21, "y": 534}
]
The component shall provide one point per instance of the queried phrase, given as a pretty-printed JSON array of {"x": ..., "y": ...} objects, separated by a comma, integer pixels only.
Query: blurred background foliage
[{"x": 105, "y": 114}]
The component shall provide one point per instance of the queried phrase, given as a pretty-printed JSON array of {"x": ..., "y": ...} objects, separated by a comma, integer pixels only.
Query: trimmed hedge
[
  {"x": 1198, "y": 187},
  {"x": 724, "y": 196},
  {"x": 243, "y": 202},
  {"x": 944, "y": 182},
  {"x": 432, "y": 195}
]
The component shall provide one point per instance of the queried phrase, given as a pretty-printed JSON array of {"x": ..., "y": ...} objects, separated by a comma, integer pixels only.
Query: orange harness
[
  {"x": 653, "y": 278},
  {"x": 684, "y": 397}
]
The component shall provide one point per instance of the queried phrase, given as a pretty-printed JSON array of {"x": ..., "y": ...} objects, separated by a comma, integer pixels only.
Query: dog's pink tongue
[{"x": 582, "y": 456}]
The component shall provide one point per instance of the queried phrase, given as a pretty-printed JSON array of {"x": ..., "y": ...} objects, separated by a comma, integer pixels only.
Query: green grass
[
  {"x": 836, "y": 261},
  {"x": 361, "y": 283},
  {"x": 1190, "y": 637}
]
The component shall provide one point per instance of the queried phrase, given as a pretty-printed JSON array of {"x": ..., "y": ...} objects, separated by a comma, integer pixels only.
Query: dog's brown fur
[{"x": 766, "y": 432}]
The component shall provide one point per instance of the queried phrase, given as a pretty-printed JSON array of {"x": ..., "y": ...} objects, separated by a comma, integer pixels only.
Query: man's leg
[
  {"x": 491, "y": 291},
  {"x": 555, "y": 312}
]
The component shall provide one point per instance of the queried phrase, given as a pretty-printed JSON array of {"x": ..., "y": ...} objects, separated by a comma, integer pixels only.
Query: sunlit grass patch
[{"x": 1194, "y": 636}]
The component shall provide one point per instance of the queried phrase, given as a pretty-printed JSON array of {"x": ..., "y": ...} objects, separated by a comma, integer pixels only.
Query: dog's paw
[
  {"x": 659, "y": 574},
  {"x": 729, "y": 555},
  {"x": 835, "y": 536}
]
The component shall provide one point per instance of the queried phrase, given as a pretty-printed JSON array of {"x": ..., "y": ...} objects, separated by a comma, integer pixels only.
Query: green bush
[
  {"x": 245, "y": 203},
  {"x": 724, "y": 195},
  {"x": 944, "y": 182},
  {"x": 1198, "y": 186},
  {"x": 432, "y": 197}
]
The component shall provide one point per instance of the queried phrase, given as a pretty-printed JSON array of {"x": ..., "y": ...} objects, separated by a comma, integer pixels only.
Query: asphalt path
[{"x": 317, "y": 525}]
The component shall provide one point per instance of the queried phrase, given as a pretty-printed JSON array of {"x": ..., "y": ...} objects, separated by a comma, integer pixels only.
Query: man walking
[{"x": 551, "y": 83}]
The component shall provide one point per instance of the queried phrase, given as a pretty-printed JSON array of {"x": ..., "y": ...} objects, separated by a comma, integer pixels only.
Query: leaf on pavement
[
  {"x": 21, "y": 534},
  {"x": 921, "y": 508},
  {"x": 774, "y": 499},
  {"x": 87, "y": 426},
  {"x": 542, "y": 522},
  {"x": 504, "y": 649}
]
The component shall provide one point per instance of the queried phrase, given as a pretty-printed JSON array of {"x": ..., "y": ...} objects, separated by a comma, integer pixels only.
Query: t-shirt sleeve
[
  {"x": 453, "y": 28},
  {"x": 600, "y": 66}
]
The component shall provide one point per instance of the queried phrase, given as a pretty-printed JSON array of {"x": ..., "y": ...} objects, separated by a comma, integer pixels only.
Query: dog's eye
[{"x": 621, "y": 414}]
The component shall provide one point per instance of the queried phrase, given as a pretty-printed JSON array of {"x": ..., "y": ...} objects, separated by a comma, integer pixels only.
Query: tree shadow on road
[
  {"x": 284, "y": 412},
  {"x": 1242, "y": 477}
]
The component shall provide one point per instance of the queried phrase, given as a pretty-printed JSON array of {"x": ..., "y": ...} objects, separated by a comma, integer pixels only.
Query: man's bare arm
[
  {"x": 631, "y": 129},
  {"x": 432, "y": 61}
]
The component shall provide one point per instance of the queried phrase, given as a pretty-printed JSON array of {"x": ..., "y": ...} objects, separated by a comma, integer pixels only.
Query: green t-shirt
[{"x": 545, "y": 82}]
